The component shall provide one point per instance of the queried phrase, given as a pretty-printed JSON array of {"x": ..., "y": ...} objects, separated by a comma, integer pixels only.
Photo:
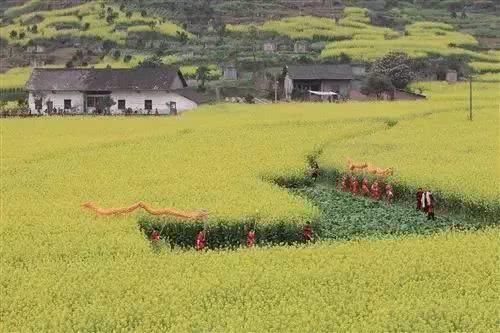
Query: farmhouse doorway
[{"x": 97, "y": 101}]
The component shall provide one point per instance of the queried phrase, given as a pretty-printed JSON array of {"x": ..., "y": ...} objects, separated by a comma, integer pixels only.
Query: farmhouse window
[
  {"x": 148, "y": 104},
  {"x": 91, "y": 101},
  {"x": 38, "y": 103},
  {"x": 121, "y": 104},
  {"x": 67, "y": 104}
]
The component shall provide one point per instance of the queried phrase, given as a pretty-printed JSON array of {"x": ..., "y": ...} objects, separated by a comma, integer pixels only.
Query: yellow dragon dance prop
[
  {"x": 162, "y": 211},
  {"x": 363, "y": 166}
]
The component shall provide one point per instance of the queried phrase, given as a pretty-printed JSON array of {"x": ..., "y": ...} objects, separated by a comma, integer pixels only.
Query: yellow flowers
[{"x": 65, "y": 270}]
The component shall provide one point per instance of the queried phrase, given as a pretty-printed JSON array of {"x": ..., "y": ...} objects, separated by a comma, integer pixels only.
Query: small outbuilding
[
  {"x": 270, "y": 47},
  {"x": 300, "y": 46},
  {"x": 320, "y": 78},
  {"x": 229, "y": 71},
  {"x": 451, "y": 76}
]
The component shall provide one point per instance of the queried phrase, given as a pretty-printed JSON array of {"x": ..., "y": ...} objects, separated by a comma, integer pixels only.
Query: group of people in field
[
  {"x": 200, "y": 242},
  {"x": 347, "y": 183},
  {"x": 375, "y": 191}
]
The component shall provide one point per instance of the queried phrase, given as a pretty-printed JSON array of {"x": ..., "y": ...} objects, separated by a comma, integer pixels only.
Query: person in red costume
[
  {"x": 420, "y": 192},
  {"x": 375, "y": 191},
  {"x": 354, "y": 185},
  {"x": 365, "y": 187},
  {"x": 389, "y": 193},
  {"x": 307, "y": 232},
  {"x": 201, "y": 240},
  {"x": 345, "y": 183},
  {"x": 250, "y": 233},
  {"x": 250, "y": 238},
  {"x": 155, "y": 235}
]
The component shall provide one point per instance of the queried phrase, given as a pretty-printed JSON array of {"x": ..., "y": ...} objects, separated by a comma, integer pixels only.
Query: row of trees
[{"x": 397, "y": 70}]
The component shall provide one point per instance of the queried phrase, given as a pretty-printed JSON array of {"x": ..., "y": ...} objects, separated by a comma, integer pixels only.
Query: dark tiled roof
[
  {"x": 103, "y": 79},
  {"x": 320, "y": 72},
  {"x": 193, "y": 95}
]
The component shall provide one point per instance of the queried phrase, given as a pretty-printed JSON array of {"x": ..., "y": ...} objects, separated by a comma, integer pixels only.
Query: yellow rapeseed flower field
[{"x": 63, "y": 269}]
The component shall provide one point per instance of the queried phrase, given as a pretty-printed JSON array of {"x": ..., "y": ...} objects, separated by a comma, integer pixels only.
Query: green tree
[
  {"x": 377, "y": 84},
  {"x": 397, "y": 66},
  {"x": 13, "y": 34},
  {"x": 253, "y": 35},
  {"x": 105, "y": 104},
  {"x": 128, "y": 14},
  {"x": 202, "y": 76},
  {"x": 34, "y": 29},
  {"x": 151, "y": 62},
  {"x": 182, "y": 37},
  {"x": 391, "y": 4},
  {"x": 117, "y": 54},
  {"x": 22, "y": 35}
]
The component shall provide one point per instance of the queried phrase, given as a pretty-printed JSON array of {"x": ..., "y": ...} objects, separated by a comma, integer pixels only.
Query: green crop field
[{"x": 63, "y": 269}]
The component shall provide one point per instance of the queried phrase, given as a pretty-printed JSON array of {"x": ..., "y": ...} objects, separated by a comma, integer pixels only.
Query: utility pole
[
  {"x": 470, "y": 97},
  {"x": 276, "y": 91}
]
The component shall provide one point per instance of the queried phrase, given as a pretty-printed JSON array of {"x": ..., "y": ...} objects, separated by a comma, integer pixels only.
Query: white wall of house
[
  {"x": 136, "y": 101},
  {"x": 57, "y": 98},
  {"x": 133, "y": 99}
]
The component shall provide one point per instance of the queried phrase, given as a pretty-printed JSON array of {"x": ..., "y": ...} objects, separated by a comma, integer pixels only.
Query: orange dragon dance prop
[
  {"x": 363, "y": 166},
  {"x": 162, "y": 211}
]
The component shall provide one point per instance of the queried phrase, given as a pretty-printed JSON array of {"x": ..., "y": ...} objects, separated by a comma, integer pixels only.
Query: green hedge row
[
  {"x": 224, "y": 233},
  {"x": 488, "y": 212}
]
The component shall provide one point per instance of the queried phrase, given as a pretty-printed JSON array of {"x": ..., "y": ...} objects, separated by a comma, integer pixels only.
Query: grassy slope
[
  {"x": 357, "y": 38},
  {"x": 91, "y": 13},
  {"x": 64, "y": 269}
]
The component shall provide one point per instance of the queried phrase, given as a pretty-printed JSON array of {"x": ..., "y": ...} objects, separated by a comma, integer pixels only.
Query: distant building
[
  {"x": 37, "y": 49},
  {"x": 270, "y": 47},
  {"x": 229, "y": 72},
  {"x": 140, "y": 90},
  {"x": 300, "y": 46},
  {"x": 321, "y": 78},
  {"x": 451, "y": 76}
]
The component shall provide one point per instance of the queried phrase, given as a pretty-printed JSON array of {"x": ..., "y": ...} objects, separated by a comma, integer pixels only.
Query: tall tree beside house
[
  {"x": 253, "y": 35},
  {"x": 397, "y": 66},
  {"x": 202, "y": 76},
  {"x": 151, "y": 62},
  {"x": 105, "y": 104},
  {"x": 182, "y": 36},
  {"x": 377, "y": 84}
]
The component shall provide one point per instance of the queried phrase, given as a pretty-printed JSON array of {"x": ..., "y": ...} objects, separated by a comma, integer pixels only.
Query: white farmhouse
[{"x": 115, "y": 91}]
